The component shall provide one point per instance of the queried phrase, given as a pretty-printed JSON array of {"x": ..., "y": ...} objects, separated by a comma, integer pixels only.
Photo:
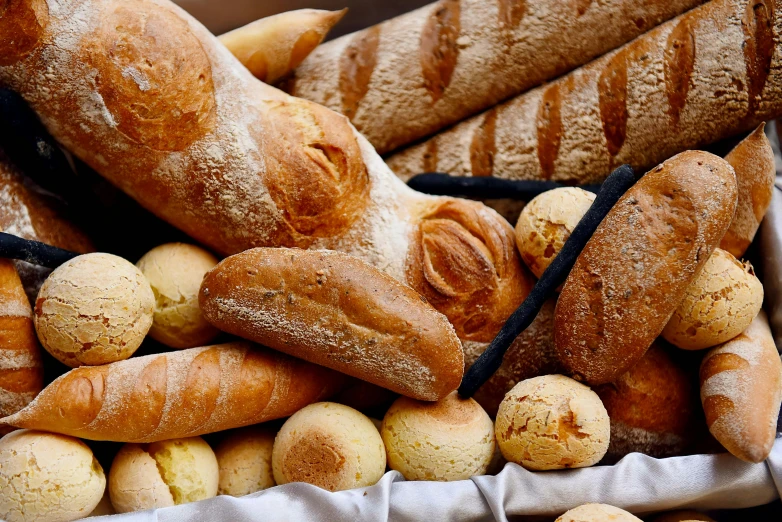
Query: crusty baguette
[
  {"x": 335, "y": 310},
  {"x": 741, "y": 390},
  {"x": 178, "y": 394},
  {"x": 415, "y": 74},
  {"x": 708, "y": 74},
  {"x": 753, "y": 161},
  {"x": 152, "y": 101},
  {"x": 272, "y": 47},
  {"x": 635, "y": 269}
]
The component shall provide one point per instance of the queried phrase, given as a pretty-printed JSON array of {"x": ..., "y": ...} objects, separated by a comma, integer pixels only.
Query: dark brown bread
[{"x": 634, "y": 271}]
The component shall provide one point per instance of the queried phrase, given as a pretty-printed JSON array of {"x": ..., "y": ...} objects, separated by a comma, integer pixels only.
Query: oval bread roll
[
  {"x": 636, "y": 268},
  {"x": 597, "y": 513}
]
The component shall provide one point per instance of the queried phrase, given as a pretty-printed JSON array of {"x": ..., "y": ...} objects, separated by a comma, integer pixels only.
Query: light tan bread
[
  {"x": 741, "y": 390},
  {"x": 179, "y": 124},
  {"x": 335, "y": 310},
  {"x": 272, "y": 47},
  {"x": 415, "y": 74},
  {"x": 637, "y": 266},
  {"x": 597, "y": 513},
  {"x": 178, "y": 394},
  {"x": 708, "y": 74}
]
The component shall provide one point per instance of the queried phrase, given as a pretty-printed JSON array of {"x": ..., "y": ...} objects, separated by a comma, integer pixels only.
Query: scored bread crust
[
  {"x": 152, "y": 101},
  {"x": 708, "y": 74}
]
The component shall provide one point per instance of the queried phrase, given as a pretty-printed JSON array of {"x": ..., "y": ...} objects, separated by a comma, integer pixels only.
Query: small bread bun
[
  {"x": 175, "y": 272},
  {"x": 162, "y": 474},
  {"x": 597, "y": 513},
  {"x": 451, "y": 439},
  {"x": 552, "y": 422},
  {"x": 718, "y": 305},
  {"x": 687, "y": 515},
  {"x": 95, "y": 309},
  {"x": 104, "y": 507},
  {"x": 328, "y": 445},
  {"x": 45, "y": 476},
  {"x": 546, "y": 222},
  {"x": 245, "y": 461}
]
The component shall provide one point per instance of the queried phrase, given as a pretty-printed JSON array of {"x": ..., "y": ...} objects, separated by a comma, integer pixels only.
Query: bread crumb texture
[
  {"x": 244, "y": 459},
  {"x": 330, "y": 446},
  {"x": 47, "y": 477},
  {"x": 552, "y": 422},
  {"x": 597, "y": 513},
  {"x": 94, "y": 309}
]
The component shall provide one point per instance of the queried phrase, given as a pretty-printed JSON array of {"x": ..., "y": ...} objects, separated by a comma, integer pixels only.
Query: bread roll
[
  {"x": 636, "y": 268},
  {"x": 245, "y": 461},
  {"x": 178, "y": 394},
  {"x": 104, "y": 506},
  {"x": 597, "y": 513},
  {"x": 272, "y": 47},
  {"x": 335, "y": 310},
  {"x": 741, "y": 391}
]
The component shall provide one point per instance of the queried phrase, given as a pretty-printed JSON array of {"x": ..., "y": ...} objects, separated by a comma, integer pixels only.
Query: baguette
[
  {"x": 710, "y": 73},
  {"x": 272, "y": 47},
  {"x": 178, "y": 394},
  {"x": 413, "y": 75},
  {"x": 741, "y": 390},
  {"x": 636, "y": 268},
  {"x": 153, "y": 102}
]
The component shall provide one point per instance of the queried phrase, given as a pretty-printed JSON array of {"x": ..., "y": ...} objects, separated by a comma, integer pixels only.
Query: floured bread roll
[{"x": 245, "y": 461}]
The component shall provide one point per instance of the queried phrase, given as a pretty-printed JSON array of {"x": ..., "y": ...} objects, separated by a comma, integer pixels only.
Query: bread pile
[{"x": 319, "y": 329}]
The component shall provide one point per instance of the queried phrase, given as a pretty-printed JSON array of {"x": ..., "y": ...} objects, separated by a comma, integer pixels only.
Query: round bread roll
[
  {"x": 175, "y": 272},
  {"x": 597, "y": 513},
  {"x": 328, "y": 445},
  {"x": 162, "y": 474},
  {"x": 451, "y": 439},
  {"x": 104, "y": 507},
  {"x": 686, "y": 515},
  {"x": 45, "y": 476},
  {"x": 718, "y": 305},
  {"x": 244, "y": 459},
  {"x": 95, "y": 309},
  {"x": 546, "y": 222},
  {"x": 552, "y": 422}
]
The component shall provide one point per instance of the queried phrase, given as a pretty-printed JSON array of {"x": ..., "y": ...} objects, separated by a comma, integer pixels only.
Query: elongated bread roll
[
  {"x": 708, "y": 74},
  {"x": 177, "y": 394},
  {"x": 152, "y": 101},
  {"x": 741, "y": 390},
  {"x": 272, "y": 47},
  {"x": 415, "y": 74},
  {"x": 335, "y": 310},
  {"x": 637, "y": 266}
]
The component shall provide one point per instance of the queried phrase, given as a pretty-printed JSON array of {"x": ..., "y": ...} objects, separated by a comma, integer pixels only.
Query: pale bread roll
[{"x": 245, "y": 461}]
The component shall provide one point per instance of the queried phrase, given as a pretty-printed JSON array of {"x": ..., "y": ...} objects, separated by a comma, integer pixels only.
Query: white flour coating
[{"x": 15, "y": 359}]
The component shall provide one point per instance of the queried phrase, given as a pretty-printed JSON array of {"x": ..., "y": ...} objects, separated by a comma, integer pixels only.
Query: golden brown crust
[
  {"x": 27, "y": 20},
  {"x": 635, "y": 269},
  {"x": 337, "y": 311}
]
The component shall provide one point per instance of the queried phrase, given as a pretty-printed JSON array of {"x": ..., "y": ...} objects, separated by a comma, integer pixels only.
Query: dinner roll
[
  {"x": 718, "y": 305},
  {"x": 94, "y": 309},
  {"x": 47, "y": 477},
  {"x": 162, "y": 474},
  {"x": 330, "y": 446},
  {"x": 597, "y": 513},
  {"x": 244, "y": 459},
  {"x": 175, "y": 272},
  {"x": 552, "y": 422},
  {"x": 546, "y": 222},
  {"x": 451, "y": 439}
]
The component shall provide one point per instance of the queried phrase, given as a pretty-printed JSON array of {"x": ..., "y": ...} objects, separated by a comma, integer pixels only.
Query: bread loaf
[
  {"x": 635, "y": 269},
  {"x": 335, "y": 310},
  {"x": 708, "y": 74},
  {"x": 146, "y": 96},
  {"x": 272, "y": 47},
  {"x": 741, "y": 390},
  {"x": 177, "y": 394},
  {"x": 409, "y": 77}
]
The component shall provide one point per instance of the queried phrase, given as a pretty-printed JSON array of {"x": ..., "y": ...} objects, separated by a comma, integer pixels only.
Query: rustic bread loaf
[
  {"x": 147, "y": 97},
  {"x": 708, "y": 74},
  {"x": 741, "y": 390},
  {"x": 178, "y": 394},
  {"x": 415, "y": 74},
  {"x": 335, "y": 310},
  {"x": 636, "y": 268}
]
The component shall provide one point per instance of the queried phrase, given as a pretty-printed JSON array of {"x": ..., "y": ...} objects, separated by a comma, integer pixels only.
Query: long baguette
[
  {"x": 153, "y": 102},
  {"x": 178, "y": 394},
  {"x": 741, "y": 390},
  {"x": 710, "y": 73},
  {"x": 413, "y": 75}
]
